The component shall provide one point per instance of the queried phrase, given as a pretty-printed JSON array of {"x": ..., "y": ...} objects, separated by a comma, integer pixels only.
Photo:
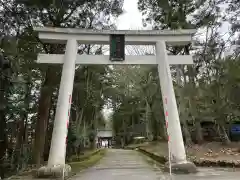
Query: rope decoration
[
  {"x": 69, "y": 101},
  {"x": 169, "y": 149}
]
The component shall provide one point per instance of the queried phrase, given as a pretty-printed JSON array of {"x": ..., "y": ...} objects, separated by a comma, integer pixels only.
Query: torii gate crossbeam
[{"x": 73, "y": 37}]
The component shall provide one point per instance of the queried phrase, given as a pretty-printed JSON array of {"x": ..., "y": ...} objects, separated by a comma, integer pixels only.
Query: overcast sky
[{"x": 131, "y": 18}]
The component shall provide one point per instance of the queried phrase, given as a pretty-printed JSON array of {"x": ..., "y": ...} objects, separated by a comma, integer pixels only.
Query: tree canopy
[{"x": 206, "y": 91}]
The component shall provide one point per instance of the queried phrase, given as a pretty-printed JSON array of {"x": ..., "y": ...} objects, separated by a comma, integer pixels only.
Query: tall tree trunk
[
  {"x": 15, "y": 162},
  {"x": 49, "y": 129},
  {"x": 79, "y": 119},
  {"x": 187, "y": 134},
  {"x": 182, "y": 108},
  {"x": 22, "y": 135},
  {"x": 47, "y": 143},
  {"x": 43, "y": 116},
  {"x": 2, "y": 126},
  {"x": 224, "y": 134},
  {"x": 123, "y": 138},
  {"x": 185, "y": 127},
  {"x": 3, "y": 142},
  {"x": 199, "y": 134},
  {"x": 148, "y": 121},
  {"x": 84, "y": 133},
  {"x": 163, "y": 131},
  {"x": 3, "y": 123}
]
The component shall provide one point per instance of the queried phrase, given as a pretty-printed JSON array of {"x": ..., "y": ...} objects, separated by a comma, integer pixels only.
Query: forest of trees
[
  {"x": 207, "y": 90},
  {"x": 30, "y": 90}
]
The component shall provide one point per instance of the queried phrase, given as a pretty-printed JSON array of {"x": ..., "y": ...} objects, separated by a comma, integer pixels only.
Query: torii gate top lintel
[{"x": 132, "y": 37}]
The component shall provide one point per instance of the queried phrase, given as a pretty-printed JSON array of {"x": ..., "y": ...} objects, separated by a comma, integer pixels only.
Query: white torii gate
[{"x": 73, "y": 37}]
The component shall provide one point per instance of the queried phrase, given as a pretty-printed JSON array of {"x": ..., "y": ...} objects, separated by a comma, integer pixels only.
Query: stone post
[
  {"x": 176, "y": 143},
  {"x": 56, "y": 162}
]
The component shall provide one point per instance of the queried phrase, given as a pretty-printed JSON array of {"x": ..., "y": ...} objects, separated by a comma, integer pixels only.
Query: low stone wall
[
  {"x": 155, "y": 156},
  {"x": 203, "y": 162},
  {"x": 216, "y": 163}
]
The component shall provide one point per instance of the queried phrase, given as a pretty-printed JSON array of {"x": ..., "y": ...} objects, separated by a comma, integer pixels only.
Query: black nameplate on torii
[{"x": 117, "y": 47}]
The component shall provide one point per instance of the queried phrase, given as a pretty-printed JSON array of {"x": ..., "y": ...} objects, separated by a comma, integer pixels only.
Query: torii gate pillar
[
  {"x": 175, "y": 144},
  {"x": 71, "y": 37},
  {"x": 56, "y": 161}
]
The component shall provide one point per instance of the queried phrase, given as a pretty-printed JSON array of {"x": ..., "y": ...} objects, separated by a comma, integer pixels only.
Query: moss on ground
[
  {"x": 85, "y": 161},
  {"x": 89, "y": 161}
]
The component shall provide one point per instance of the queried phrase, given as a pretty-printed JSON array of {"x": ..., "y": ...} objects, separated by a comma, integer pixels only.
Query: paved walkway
[
  {"x": 120, "y": 165},
  {"x": 130, "y": 165},
  {"x": 211, "y": 174}
]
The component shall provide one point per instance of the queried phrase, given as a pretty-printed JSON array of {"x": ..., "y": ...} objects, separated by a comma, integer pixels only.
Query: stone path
[
  {"x": 130, "y": 165},
  {"x": 120, "y": 165},
  {"x": 211, "y": 174}
]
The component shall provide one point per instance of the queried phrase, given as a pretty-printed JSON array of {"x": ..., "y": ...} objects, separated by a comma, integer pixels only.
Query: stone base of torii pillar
[{"x": 57, "y": 171}]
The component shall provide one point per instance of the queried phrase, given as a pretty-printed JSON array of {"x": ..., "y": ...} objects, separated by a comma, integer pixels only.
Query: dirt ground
[
  {"x": 210, "y": 151},
  {"x": 216, "y": 150}
]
